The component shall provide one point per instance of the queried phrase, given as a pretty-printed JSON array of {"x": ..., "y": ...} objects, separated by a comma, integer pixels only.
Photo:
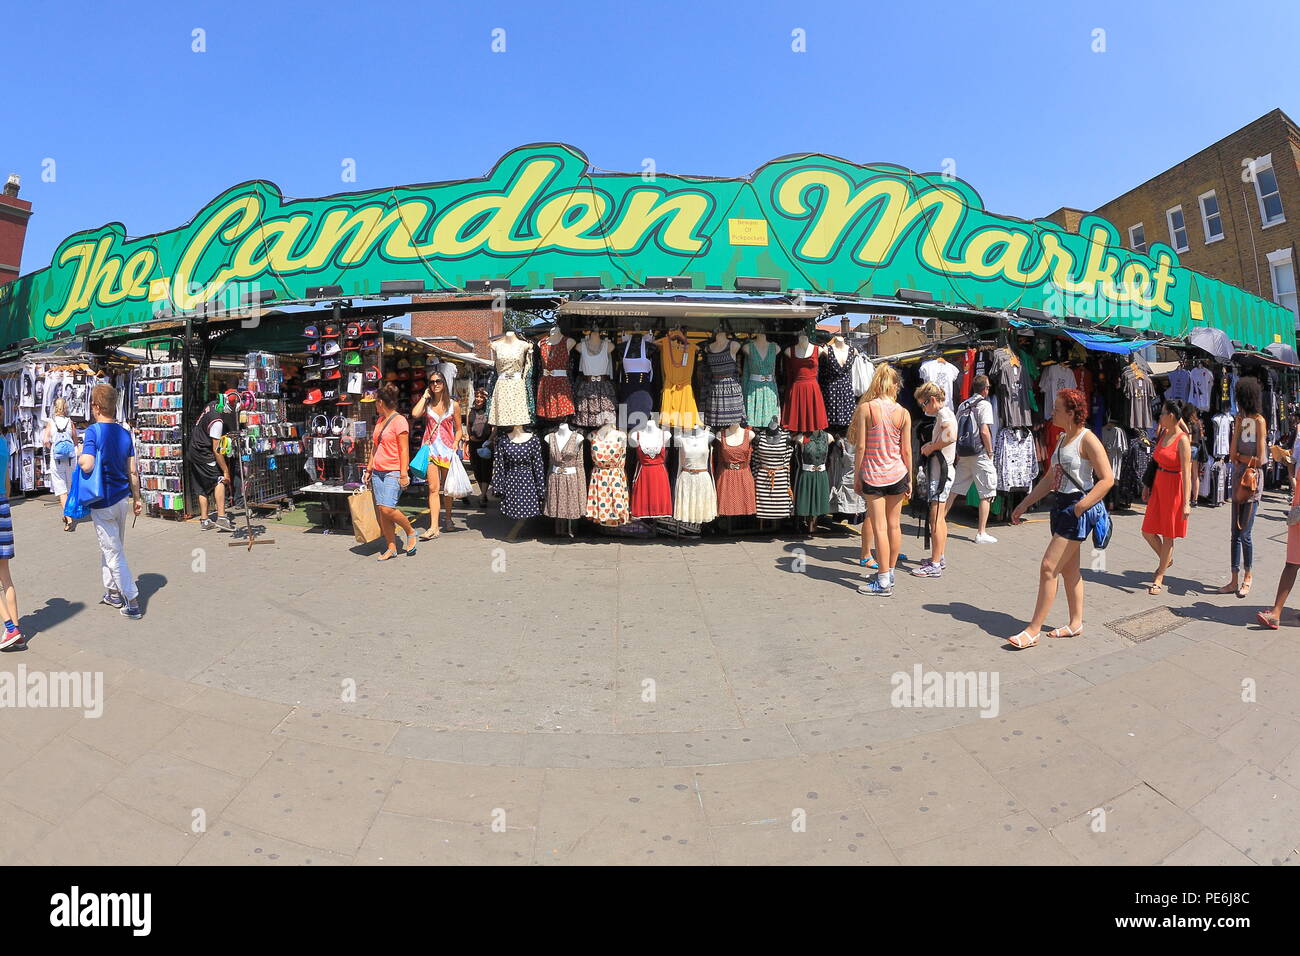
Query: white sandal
[
  {"x": 1066, "y": 631},
  {"x": 1023, "y": 640}
]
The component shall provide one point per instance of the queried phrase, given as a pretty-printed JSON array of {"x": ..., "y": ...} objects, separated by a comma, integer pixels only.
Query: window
[
  {"x": 1210, "y": 218},
  {"x": 1282, "y": 269},
  {"x": 1177, "y": 228},
  {"x": 1137, "y": 238},
  {"x": 1266, "y": 191}
]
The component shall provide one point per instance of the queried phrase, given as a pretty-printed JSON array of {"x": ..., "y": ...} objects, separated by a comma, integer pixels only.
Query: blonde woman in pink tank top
[{"x": 880, "y": 433}]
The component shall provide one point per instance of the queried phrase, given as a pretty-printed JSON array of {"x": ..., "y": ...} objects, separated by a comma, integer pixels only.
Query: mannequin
[
  {"x": 803, "y": 405},
  {"x": 519, "y": 434},
  {"x": 566, "y": 486},
  {"x": 554, "y": 390},
  {"x": 594, "y": 393},
  {"x": 724, "y": 398},
  {"x": 723, "y": 341},
  {"x": 735, "y": 479},
  {"x": 518, "y": 476},
  {"x": 802, "y": 347},
  {"x": 695, "y": 500},
  {"x": 840, "y": 347},
  {"x": 607, "y": 497},
  {"x": 651, "y": 493},
  {"x": 508, "y": 404},
  {"x": 771, "y": 459}
]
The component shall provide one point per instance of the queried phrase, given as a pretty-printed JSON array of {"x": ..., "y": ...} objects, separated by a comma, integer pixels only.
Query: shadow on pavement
[
  {"x": 149, "y": 585},
  {"x": 55, "y": 612},
  {"x": 1239, "y": 614},
  {"x": 994, "y": 623}
]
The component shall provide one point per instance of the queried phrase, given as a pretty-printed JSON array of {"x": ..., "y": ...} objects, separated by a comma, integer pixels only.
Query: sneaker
[
  {"x": 10, "y": 637},
  {"x": 112, "y": 599},
  {"x": 132, "y": 610},
  {"x": 224, "y": 523},
  {"x": 985, "y": 538},
  {"x": 943, "y": 562},
  {"x": 875, "y": 588},
  {"x": 18, "y": 645},
  {"x": 206, "y": 524},
  {"x": 928, "y": 570}
]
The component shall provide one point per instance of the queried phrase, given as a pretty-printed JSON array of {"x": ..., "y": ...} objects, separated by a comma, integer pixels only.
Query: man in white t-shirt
[
  {"x": 940, "y": 452},
  {"x": 978, "y": 469},
  {"x": 943, "y": 373}
]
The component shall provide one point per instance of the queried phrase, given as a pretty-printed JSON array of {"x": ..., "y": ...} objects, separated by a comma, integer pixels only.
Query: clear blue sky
[{"x": 145, "y": 131}]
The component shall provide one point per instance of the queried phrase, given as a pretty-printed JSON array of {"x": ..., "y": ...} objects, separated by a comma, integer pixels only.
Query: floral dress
[
  {"x": 555, "y": 392},
  {"x": 509, "y": 402},
  {"x": 607, "y": 491}
]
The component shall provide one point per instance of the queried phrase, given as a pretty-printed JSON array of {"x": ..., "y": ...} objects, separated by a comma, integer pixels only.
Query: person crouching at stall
[
  {"x": 209, "y": 470},
  {"x": 387, "y": 471},
  {"x": 111, "y": 445},
  {"x": 442, "y": 434},
  {"x": 1169, "y": 500},
  {"x": 1081, "y": 476}
]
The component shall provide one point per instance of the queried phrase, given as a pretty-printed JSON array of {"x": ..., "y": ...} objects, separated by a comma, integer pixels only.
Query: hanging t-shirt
[
  {"x": 942, "y": 373},
  {"x": 1222, "y": 423},
  {"x": 1137, "y": 389},
  {"x": 1180, "y": 384},
  {"x": 1055, "y": 378},
  {"x": 1012, "y": 382},
  {"x": 1200, "y": 388}
]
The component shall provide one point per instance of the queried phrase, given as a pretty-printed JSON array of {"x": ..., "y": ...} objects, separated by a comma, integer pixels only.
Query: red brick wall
[
  {"x": 14, "y": 213},
  {"x": 474, "y": 321}
]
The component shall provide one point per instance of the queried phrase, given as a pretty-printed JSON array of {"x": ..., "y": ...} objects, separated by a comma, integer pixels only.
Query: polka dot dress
[
  {"x": 837, "y": 385},
  {"x": 518, "y": 476},
  {"x": 607, "y": 492}
]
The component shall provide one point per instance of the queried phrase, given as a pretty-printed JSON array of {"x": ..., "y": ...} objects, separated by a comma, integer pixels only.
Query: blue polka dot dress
[{"x": 518, "y": 476}]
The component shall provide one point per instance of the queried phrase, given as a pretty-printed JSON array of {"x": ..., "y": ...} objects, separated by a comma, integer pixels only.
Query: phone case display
[
  {"x": 159, "y": 447},
  {"x": 269, "y": 446}
]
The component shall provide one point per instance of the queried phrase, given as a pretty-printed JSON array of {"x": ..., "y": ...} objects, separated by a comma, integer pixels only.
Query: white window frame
[
  {"x": 1205, "y": 219},
  {"x": 1132, "y": 243},
  {"x": 1169, "y": 221},
  {"x": 1260, "y": 163},
  {"x": 1283, "y": 257}
]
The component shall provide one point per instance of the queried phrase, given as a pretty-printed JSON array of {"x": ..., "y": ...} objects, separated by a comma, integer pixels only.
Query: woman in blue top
[
  {"x": 12, "y": 638},
  {"x": 115, "y": 448}
]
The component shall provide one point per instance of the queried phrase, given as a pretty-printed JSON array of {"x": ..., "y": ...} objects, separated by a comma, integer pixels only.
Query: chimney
[{"x": 14, "y": 213}]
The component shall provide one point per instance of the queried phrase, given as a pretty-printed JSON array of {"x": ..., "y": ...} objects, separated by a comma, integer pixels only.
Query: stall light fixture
[
  {"x": 26, "y": 343},
  {"x": 669, "y": 282},
  {"x": 486, "y": 285},
  {"x": 913, "y": 295},
  {"x": 65, "y": 334},
  {"x": 258, "y": 295},
  {"x": 401, "y": 286},
  {"x": 713, "y": 288},
  {"x": 1034, "y": 315},
  {"x": 85, "y": 328},
  {"x": 757, "y": 284},
  {"x": 324, "y": 291},
  {"x": 578, "y": 284}
]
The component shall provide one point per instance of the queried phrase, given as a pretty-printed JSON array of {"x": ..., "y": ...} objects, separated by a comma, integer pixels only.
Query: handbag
[
  {"x": 90, "y": 489},
  {"x": 1247, "y": 482},
  {"x": 72, "y": 506},
  {"x": 419, "y": 465},
  {"x": 365, "y": 520}
]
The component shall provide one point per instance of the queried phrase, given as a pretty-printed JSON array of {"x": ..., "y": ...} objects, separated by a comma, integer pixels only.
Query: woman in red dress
[{"x": 1169, "y": 501}]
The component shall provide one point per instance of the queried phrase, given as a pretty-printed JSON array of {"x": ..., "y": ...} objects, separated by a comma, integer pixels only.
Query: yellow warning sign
[{"x": 747, "y": 232}]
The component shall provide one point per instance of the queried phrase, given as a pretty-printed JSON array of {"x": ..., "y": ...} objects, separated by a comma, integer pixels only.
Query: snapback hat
[
  {"x": 311, "y": 332},
  {"x": 331, "y": 331},
  {"x": 313, "y": 397},
  {"x": 331, "y": 348}
]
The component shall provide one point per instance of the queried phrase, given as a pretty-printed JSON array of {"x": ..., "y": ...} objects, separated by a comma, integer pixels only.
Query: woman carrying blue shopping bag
[
  {"x": 1080, "y": 475},
  {"x": 439, "y": 456}
]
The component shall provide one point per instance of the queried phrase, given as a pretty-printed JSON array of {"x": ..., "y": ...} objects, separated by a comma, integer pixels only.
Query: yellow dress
[{"x": 677, "y": 404}]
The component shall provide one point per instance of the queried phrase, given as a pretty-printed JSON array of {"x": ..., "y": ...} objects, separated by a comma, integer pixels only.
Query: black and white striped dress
[{"x": 771, "y": 463}]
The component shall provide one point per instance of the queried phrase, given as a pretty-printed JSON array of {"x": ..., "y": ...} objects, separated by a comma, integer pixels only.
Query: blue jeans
[
  {"x": 387, "y": 488},
  {"x": 1242, "y": 548}
]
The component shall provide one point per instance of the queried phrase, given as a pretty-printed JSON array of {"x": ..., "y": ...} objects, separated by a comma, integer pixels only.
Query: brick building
[
  {"x": 14, "y": 213},
  {"x": 474, "y": 322},
  {"x": 1231, "y": 211}
]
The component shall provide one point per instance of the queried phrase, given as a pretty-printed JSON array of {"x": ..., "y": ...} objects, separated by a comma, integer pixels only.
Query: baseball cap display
[
  {"x": 372, "y": 373},
  {"x": 329, "y": 394},
  {"x": 313, "y": 397},
  {"x": 330, "y": 331},
  {"x": 331, "y": 348},
  {"x": 352, "y": 358},
  {"x": 311, "y": 332},
  {"x": 330, "y": 374},
  {"x": 353, "y": 330},
  {"x": 330, "y": 363},
  {"x": 370, "y": 395}
]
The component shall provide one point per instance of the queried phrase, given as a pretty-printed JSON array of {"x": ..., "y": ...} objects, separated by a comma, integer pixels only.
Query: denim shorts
[
  {"x": 1064, "y": 522},
  {"x": 387, "y": 488}
]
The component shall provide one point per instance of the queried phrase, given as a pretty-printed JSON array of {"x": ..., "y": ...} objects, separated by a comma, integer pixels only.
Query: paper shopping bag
[{"x": 365, "y": 520}]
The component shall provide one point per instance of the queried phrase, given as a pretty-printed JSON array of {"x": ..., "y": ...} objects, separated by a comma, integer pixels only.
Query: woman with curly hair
[{"x": 1080, "y": 475}]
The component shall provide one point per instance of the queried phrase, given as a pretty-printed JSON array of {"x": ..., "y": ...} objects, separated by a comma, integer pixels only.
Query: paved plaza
[{"x": 606, "y": 700}]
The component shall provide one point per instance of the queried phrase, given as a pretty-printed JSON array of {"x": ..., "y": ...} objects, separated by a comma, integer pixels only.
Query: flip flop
[
  {"x": 1155, "y": 588},
  {"x": 387, "y": 556},
  {"x": 1023, "y": 640},
  {"x": 1266, "y": 621},
  {"x": 869, "y": 563},
  {"x": 430, "y": 535},
  {"x": 1066, "y": 631},
  {"x": 1244, "y": 590}
]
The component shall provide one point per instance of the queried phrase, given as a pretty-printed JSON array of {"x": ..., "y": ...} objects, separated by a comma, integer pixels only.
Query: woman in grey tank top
[{"x": 1249, "y": 434}]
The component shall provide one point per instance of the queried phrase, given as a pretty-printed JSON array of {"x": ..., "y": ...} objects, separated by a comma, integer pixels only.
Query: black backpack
[{"x": 969, "y": 442}]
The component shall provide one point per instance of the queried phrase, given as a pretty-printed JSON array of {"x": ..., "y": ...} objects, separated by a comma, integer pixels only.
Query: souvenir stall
[{"x": 644, "y": 426}]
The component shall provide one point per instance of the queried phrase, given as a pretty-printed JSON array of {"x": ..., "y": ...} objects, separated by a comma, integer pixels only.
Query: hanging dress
[
  {"x": 804, "y": 410},
  {"x": 652, "y": 496},
  {"x": 761, "y": 404},
  {"x": 813, "y": 494},
  {"x": 735, "y": 483},
  {"x": 607, "y": 490},
  {"x": 836, "y": 382},
  {"x": 677, "y": 404},
  {"x": 594, "y": 391},
  {"x": 566, "y": 480},
  {"x": 1165, "y": 506},
  {"x": 554, "y": 391},
  {"x": 772, "y": 474},
  {"x": 518, "y": 477},
  {"x": 696, "y": 500},
  {"x": 844, "y": 496},
  {"x": 724, "y": 404},
  {"x": 509, "y": 404},
  {"x": 635, "y": 381}
]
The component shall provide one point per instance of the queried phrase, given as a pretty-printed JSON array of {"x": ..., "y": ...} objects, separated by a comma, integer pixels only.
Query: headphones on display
[
  {"x": 338, "y": 424},
  {"x": 320, "y": 425},
  {"x": 247, "y": 401},
  {"x": 347, "y": 444}
]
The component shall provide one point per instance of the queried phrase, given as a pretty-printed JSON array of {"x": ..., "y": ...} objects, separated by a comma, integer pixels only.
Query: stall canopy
[
  {"x": 545, "y": 219},
  {"x": 1108, "y": 341}
]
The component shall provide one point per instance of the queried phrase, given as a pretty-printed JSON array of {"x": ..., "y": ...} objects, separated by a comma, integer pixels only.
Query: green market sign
[{"x": 818, "y": 224}]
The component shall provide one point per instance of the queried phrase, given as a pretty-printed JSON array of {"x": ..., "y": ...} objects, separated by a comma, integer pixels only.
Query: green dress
[
  {"x": 813, "y": 491},
  {"x": 759, "y": 386}
]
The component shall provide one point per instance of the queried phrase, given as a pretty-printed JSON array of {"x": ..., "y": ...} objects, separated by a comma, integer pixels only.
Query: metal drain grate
[{"x": 1145, "y": 625}]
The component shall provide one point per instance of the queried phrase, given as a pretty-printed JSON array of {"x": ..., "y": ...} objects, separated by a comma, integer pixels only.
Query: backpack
[
  {"x": 63, "y": 449},
  {"x": 969, "y": 442}
]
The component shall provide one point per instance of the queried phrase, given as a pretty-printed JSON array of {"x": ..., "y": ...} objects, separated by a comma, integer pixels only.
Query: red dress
[
  {"x": 554, "y": 392},
  {"x": 735, "y": 481},
  {"x": 652, "y": 496},
  {"x": 804, "y": 409},
  {"x": 1165, "y": 506}
]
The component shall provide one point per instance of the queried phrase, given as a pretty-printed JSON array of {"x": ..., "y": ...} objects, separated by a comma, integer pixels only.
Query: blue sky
[{"x": 145, "y": 131}]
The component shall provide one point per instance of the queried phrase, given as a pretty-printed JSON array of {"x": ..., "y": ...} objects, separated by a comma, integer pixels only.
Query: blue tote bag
[
  {"x": 88, "y": 490},
  {"x": 72, "y": 506}
]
